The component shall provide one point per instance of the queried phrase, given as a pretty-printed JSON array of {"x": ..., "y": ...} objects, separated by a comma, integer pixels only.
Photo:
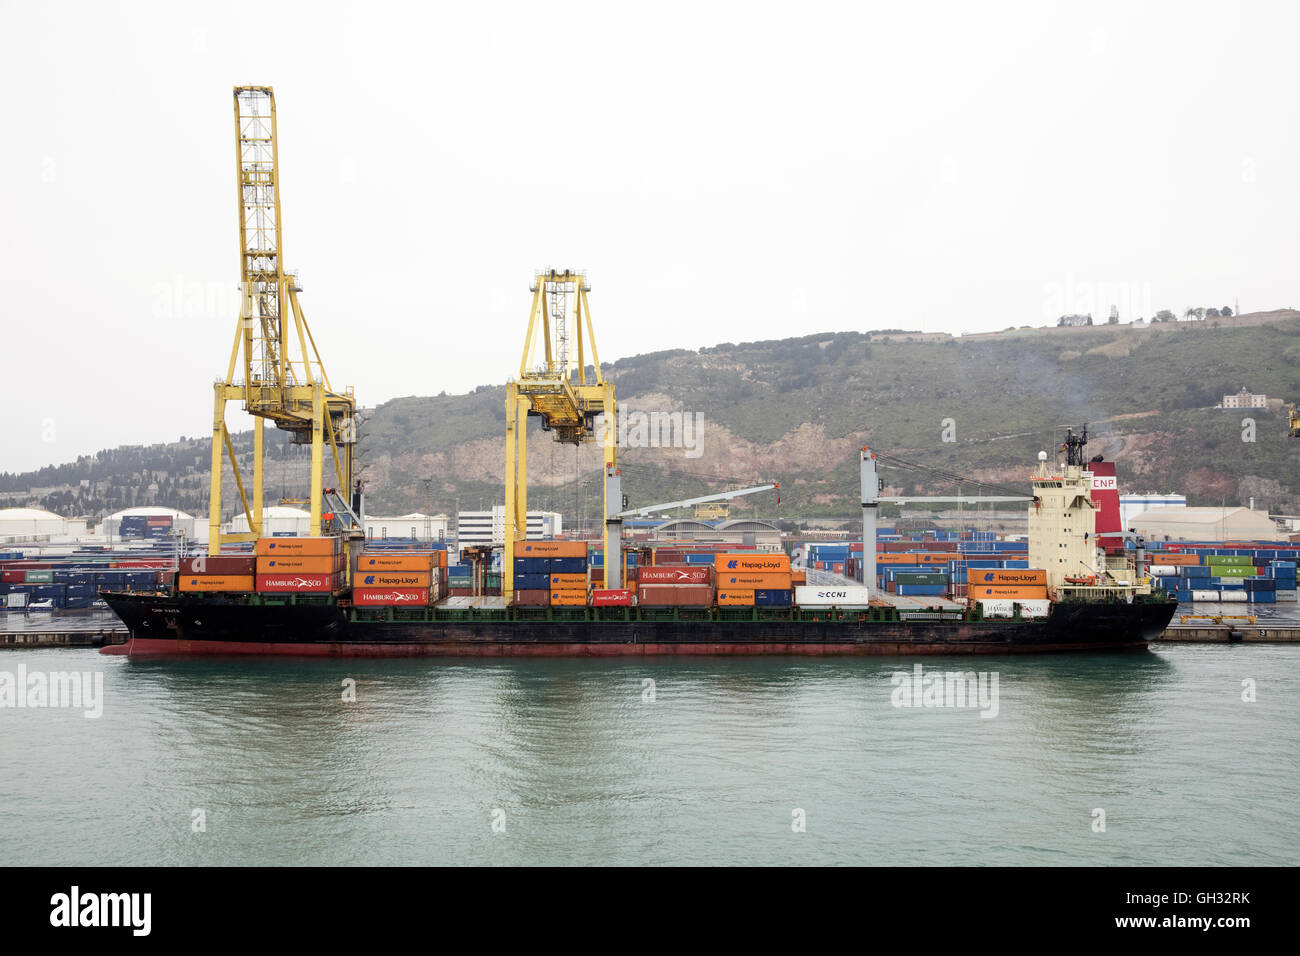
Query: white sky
[{"x": 725, "y": 172}]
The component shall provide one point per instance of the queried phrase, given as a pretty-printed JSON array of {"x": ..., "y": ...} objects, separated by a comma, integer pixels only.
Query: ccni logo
[{"x": 102, "y": 909}]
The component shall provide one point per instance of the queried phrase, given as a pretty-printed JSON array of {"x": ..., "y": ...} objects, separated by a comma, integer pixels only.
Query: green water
[{"x": 586, "y": 770}]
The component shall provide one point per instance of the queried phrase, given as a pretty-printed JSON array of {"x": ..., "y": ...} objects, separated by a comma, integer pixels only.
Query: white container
[
  {"x": 1035, "y": 608},
  {"x": 812, "y": 595},
  {"x": 18, "y": 599},
  {"x": 1206, "y": 595},
  {"x": 1232, "y": 597},
  {"x": 1286, "y": 595},
  {"x": 1164, "y": 570},
  {"x": 998, "y": 608}
]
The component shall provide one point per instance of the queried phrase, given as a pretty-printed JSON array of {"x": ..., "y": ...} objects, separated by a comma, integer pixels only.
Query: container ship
[{"x": 336, "y": 595}]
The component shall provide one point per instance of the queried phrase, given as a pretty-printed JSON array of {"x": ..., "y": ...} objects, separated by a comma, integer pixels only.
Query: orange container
[
  {"x": 936, "y": 557},
  {"x": 1006, "y": 576},
  {"x": 755, "y": 580},
  {"x": 739, "y": 597},
  {"x": 978, "y": 592},
  {"x": 307, "y": 547},
  {"x": 550, "y": 549},
  {"x": 569, "y": 598},
  {"x": 391, "y": 579},
  {"x": 567, "y": 582},
  {"x": 1177, "y": 558},
  {"x": 894, "y": 557},
  {"x": 369, "y": 561},
  {"x": 216, "y": 582},
  {"x": 751, "y": 561},
  {"x": 274, "y": 564},
  {"x": 798, "y": 577}
]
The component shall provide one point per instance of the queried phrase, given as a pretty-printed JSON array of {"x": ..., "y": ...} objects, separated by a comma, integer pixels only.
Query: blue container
[
  {"x": 568, "y": 565},
  {"x": 1195, "y": 570},
  {"x": 532, "y": 582},
  {"x": 1263, "y": 597},
  {"x": 922, "y": 590},
  {"x": 770, "y": 598},
  {"x": 532, "y": 566}
]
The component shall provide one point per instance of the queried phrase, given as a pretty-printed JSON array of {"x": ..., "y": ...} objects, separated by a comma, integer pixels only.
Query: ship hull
[{"x": 181, "y": 625}]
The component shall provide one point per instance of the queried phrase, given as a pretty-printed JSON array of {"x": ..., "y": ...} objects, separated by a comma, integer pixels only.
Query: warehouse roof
[
  {"x": 1196, "y": 515},
  {"x": 149, "y": 511},
  {"x": 27, "y": 514}
]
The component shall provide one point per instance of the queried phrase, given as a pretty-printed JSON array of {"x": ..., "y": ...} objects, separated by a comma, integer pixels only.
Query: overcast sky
[{"x": 725, "y": 172}]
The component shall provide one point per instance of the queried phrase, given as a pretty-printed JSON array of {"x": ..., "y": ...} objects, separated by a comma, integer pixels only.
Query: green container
[
  {"x": 1231, "y": 571},
  {"x": 39, "y": 577},
  {"x": 1214, "y": 560}
]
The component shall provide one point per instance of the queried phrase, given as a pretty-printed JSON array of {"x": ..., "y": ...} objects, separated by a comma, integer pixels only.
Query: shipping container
[
  {"x": 568, "y": 598},
  {"x": 821, "y": 596},
  {"x": 532, "y": 582},
  {"x": 1014, "y": 592},
  {"x": 617, "y": 597},
  {"x": 533, "y": 597},
  {"x": 735, "y": 597},
  {"x": 564, "y": 565},
  {"x": 550, "y": 549},
  {"x": 393, "y": 579},
  {"x": 568, "y": 582},
  {"x": 299, "y": 564},
  {"x": 215, "y": 582},
  {"x": 297, "y": 583},
  {"x": 997, "y": 608},
  {"x": 306, "y": 547},
  {"x": 778, "y": 580},
  {"x": 675, "y": 575},
  {"x": 773, "y": 597},
  {"x": 372, "y": 561},
  {"x": 391, "y": 597},
  {"x": 674, "y": 595},
  {"x": 217, "y": 564},
  {"x": 775, "y": 561}
]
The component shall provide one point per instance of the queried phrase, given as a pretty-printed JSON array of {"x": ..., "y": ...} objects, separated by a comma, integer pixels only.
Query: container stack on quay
[
  {"x": 1260, "y": 573},
  {"x": 747, "y": 579},
  {"x": 73, "y": 582}
]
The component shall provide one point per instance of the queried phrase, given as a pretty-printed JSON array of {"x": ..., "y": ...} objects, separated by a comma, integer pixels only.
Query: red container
[
  {"x": 675, "y": 574},
  {"x": 390, "y": 597},
  {"x": 220, "y": 564},
  {"x": 297, "y": 583},
  {"x": 674, "y": 595},
  {"x": 532, "y": 598},
  {"x": 621, "y": 597},
  {"x": 148, "y": 564},
  {"x": 13, "y": 577}
]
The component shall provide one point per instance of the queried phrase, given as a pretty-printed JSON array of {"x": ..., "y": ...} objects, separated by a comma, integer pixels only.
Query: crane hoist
[
  {"x": 275, "y": 368},
  {"x": 553, "y": 385}
]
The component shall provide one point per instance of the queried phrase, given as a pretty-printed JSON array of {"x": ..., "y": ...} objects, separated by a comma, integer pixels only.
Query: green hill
[{"x": 796, "y": 410}]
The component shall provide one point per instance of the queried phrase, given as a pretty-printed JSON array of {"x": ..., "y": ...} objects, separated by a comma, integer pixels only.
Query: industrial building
[
  {"x": 1204, "y": 524},
  {"x": 420, "y": 527},
  {"x": 150, "y": 522},
  {"x": 19, "y": 525},
  {"x": 1245, "y": 399},
  {"x": 1130, "y": 506},
  {"x": 489, "y": 527}
]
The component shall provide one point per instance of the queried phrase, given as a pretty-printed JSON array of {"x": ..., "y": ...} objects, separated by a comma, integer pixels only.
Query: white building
[
  {"x": 489, "y": 527},
  {"x": 135, "y": 518},
  {"x": 276, "y": 519},
  {"x": 419, "y": 526},
  {"x": 1205, "y": 524},
  {"x": 1130, "y": 506},
  {"x": 34, "y": 524},
  {"x": 1245, "y": 399}
]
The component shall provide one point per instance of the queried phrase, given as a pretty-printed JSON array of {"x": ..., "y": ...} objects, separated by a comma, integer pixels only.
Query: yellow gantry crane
[
  {"x": 1294, "y": 424},
  {"x": 281, "y": 378},
  {"x": 553, "y": 386}
]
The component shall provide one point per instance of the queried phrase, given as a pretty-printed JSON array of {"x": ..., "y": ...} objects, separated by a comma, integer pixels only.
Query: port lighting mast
[
  {"x": 553, "y": 385},
  {"x": 275, "y": 368}
]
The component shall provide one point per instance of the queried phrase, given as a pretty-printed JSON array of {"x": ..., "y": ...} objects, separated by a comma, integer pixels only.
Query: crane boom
[
  {"x": 687, "y": 502},
  {"x": 275, "y": 368}
]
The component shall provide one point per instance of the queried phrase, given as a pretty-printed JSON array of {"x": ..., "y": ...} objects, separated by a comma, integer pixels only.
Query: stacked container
[
  {"x": 753, "y": 579},
  {"x": 398, "y": 578},
  {"x": 216, "y": 574},
  {"x": 300, "y": 565},
  {"x": 538, "y": 563}
]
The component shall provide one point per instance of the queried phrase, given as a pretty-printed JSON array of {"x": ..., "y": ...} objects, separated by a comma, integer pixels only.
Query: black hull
[{"x": 184, "y": 624}]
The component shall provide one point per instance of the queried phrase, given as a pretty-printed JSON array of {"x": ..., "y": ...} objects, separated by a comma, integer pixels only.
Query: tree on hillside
[
  {"x": 1164, "y": 315},
  {"x": 1226, "y": 312},
  {"x": 1211, "y": 313}
]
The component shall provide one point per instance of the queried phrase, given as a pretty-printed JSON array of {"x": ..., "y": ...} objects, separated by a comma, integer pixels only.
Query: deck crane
[
  {"x": 280, "y": 377},
  {"x": 553, "y": 386}
]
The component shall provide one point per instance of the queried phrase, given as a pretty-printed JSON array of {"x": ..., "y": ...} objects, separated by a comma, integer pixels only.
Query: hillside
[{"x": 797, "y": 409}]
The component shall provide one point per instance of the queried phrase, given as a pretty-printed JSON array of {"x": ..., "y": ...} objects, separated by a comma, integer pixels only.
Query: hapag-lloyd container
[
  {"x": 777, "y": 561},
  {"x": 821, "y": 596}
]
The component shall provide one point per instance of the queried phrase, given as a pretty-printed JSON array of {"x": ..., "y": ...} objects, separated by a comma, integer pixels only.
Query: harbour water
[{"x": 255, "y": 761}]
